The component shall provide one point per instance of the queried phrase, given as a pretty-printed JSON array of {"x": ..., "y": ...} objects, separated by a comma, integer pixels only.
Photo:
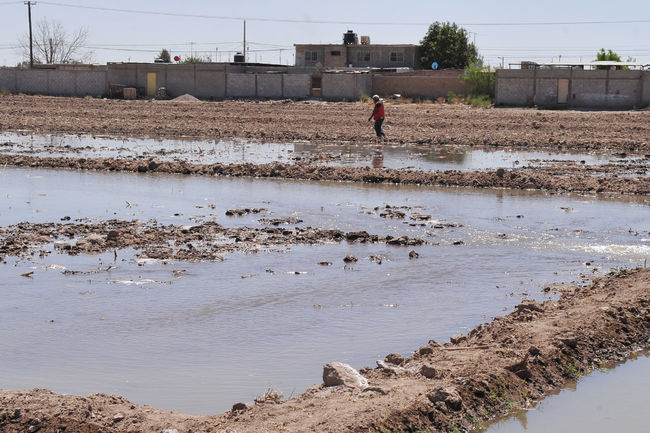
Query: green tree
[
  {"x": 607, "y": 56},
  {"x": 448, "y": 45},
  {"x": 164, "y": 56},
  {"x": 188, "y": 60}
]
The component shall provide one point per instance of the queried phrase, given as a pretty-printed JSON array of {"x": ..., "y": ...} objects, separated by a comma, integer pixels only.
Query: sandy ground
[{"x": 514, "y": 361}]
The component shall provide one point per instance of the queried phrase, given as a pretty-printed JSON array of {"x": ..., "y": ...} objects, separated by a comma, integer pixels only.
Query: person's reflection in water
[{"x": 378, "y": 160}]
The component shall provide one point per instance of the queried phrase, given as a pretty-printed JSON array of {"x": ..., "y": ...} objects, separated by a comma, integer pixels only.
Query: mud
[
  {"x": 207, "y": 241},
  {"x": 315, "y": 121},
  {"x": 510, "y": 363},
  {"x": 565, "y": 178}
]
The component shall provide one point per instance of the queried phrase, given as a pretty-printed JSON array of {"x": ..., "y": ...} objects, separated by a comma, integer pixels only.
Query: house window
[
  {"x": 335, "y": 53},
  {"x": 397, "y": 57},
  {"x": 311, "y": 56},
  {"x": 363, "y": 56}
]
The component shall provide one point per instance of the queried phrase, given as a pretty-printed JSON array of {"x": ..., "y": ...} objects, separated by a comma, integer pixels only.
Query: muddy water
[
  {"x": 197, "y": 337},
  {"x": 205, "y": 152},
  {"x": 603, "y": 402}
]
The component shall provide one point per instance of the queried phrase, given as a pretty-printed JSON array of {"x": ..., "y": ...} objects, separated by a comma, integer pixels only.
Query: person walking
[{"x": 378, "y": 115}]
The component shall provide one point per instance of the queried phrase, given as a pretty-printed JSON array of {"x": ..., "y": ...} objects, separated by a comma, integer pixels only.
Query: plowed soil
[{"x": 284, "y": 121}]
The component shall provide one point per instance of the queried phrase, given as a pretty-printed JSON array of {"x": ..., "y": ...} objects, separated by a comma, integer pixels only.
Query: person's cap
[{"x": 375, "y": 97}]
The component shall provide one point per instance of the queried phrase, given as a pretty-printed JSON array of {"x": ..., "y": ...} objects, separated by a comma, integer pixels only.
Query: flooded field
[
  {"x": 196, "y": 337},
  {"x": 336, "y": 154},
  {"x": 603, "y": 402}
]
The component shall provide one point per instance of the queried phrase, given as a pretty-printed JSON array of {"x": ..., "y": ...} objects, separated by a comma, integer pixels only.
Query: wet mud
[
  {"x": 561, "y": 178},
  {"x": 207, "y": 241}
]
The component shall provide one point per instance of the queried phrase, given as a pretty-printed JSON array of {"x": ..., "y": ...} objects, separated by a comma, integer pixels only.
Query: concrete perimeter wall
[
  {"x": 56, "y": 82},
  {"x": 608, "y": 89},
  {"x": 421, "y": 84},
  {"x": 337, "y": 86}
]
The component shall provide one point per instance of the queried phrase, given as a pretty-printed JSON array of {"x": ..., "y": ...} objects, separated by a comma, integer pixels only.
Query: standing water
[{"x": 196, "y": 337}]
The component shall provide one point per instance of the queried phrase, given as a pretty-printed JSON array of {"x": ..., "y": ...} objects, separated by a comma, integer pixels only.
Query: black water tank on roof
[{"x": 350, "y": 38}]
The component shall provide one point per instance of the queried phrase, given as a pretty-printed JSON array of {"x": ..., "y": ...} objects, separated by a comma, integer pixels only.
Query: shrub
[{"x": 480, "y": 80}]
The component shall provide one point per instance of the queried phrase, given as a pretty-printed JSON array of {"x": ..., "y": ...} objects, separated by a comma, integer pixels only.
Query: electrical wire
[{"x": 303, "y": 21}]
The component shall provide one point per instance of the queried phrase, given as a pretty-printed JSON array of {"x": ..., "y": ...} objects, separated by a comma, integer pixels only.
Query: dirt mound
[
  {"x": 512, "y": 362},
  {"x": 186, "y": 98}
]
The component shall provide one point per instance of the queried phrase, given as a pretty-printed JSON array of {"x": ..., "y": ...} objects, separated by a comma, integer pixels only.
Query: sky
[{"x": 505, "y": 32}]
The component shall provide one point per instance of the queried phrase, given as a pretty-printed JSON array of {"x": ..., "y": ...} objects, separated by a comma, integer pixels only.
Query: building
[
  {"x": 573, "y": 85},
  {"x": 353, "y": 54}
]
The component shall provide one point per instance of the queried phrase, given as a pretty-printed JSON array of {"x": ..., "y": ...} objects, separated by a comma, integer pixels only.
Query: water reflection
[
  {"x": 208, "y": 152},
  {"x": 603, "y": 402}
]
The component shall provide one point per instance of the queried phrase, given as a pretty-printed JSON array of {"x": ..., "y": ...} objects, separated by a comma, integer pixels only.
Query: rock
[
  {"x": 112, "y": 236},
  {"x": 170, "y": 430},
  {"x": 394, "y": 358},
  {"x": 337, "y": 373},
  {"x": 457, "y": 339},
  {"x": 118, "y": 417},
  {"x": 239, "y": 407},
  {"x": 413, "y": 254},
  {"x": 500, "y": 172},
  {"x": 361, "y": 236},
  {"x": 349, "y": 258},
  {"x": 449, "y": 396},
  {"x": 428, "y": 371}
]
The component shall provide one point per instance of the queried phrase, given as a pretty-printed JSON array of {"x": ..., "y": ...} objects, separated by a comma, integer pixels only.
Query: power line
[
  {"x": 303, "y": 21},
  {"x": 10, "y": 3}
]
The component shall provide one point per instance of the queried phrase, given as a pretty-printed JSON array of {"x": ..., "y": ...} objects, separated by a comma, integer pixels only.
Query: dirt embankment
[
  {"x": 573, "y": 178},
  {"x": 508, "y": 363},
  {"x": 285, "y": 121}
]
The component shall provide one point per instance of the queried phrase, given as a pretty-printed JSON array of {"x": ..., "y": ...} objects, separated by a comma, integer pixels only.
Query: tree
[
  {"x": 188, "y": 60},
  {"x": 52, "y": 44},
  {"x": 610, "y": 56},
  {"x": 164, "y": 56},
  {"x": 448, "y": 45}
]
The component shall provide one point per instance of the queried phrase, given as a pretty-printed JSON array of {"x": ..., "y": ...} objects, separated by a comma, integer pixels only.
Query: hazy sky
[{"x": 502, "y": 29}]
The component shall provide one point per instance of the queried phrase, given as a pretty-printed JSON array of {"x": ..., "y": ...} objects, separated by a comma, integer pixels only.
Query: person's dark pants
[{"x": 378, "y": 130}]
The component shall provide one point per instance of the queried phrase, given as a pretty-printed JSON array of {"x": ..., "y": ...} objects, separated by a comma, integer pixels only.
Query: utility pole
[
  {"x": 31, "y": 44},
  {"x": 502, "y": 59},
  {"x": 244, "y": 52}
]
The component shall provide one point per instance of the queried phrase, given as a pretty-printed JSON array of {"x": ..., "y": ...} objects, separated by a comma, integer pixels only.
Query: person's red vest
[{"x": 380, "y": 111}]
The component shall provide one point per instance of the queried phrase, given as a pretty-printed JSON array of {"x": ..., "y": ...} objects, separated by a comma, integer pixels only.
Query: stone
[
  {"x": 338, "y": 373},
  {"x": 413, "y": 254},
  {"x": 239, "y": 407},
  {"x": 449, "y": 396},
  {"x": 349, "y": 258},
  {"x": 394, "y": 358},
  {"x": 118, "y": 417},
  {"x": 428, "y": 371}
]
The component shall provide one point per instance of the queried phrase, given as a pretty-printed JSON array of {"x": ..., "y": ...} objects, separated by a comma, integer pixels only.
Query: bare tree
[{"x": 52, "y": 44}]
